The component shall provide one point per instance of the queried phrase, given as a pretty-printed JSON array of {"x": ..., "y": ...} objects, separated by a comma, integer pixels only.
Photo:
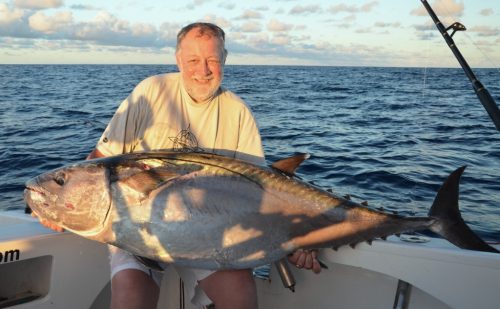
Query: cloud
[
  {"x": 84, "y": 7},
  {"x": 219, "y": 21},
  {"x": 14, "y": 23},
  {"x": 196, "y": 3},
  {"x": 250, "y": 27},
  {"x": 37, "y": 4},
  {"x": 8, "y": 16},
  {"x": 227, "y": 5},
  {"x": 428, "y": 25},
  {"x": 486, "y": 12},
  {"x": 444, "y": 8},
  {"x": 381, "y": 24},
  {"x": 249, "y": 14},
  {"x": 363, "y": 30},
  {"x": 485, "y": 31},
  {"x": 281, "y": 40},
  {"x": 343, "y": 8},
  {"x": 50, "y": 24},
  {"x": 277, "y": 26},
  {"x": 106, "y": 29},
  {"x": 308, "y": 9}
]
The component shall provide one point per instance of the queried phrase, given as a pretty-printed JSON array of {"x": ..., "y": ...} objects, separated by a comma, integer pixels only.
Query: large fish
[{"x": 209, "y": 211}]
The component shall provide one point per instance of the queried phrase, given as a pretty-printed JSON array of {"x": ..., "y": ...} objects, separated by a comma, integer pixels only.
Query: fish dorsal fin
[{"x": 290, "y": 165}]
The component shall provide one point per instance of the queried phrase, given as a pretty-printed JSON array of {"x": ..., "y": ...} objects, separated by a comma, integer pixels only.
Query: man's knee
[
  {"x": 231, "y": 289},
  {"x": 132, "y": 288}
]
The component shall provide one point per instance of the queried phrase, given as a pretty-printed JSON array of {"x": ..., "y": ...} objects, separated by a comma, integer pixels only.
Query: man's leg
[
  {"x": 132, "y": 288},
  {"x": 231, "y": 289}
]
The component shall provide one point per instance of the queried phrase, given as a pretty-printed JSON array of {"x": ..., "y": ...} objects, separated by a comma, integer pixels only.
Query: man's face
[{"x": 201, "y": 62}]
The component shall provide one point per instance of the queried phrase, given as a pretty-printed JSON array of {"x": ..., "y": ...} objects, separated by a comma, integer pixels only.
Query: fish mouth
[
  {"x": 35, "y": 197},
  {"x": 32, "y": 189}
]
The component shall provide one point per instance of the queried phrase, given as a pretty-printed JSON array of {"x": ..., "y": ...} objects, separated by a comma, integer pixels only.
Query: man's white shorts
[{"x": 121, "y": 260}]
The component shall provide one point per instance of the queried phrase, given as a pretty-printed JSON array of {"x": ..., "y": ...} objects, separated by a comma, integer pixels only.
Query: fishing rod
[{"x": 481, "y": 92}]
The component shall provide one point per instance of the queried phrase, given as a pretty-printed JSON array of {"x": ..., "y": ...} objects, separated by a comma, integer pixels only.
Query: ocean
[{"x": 389, "y": 136}]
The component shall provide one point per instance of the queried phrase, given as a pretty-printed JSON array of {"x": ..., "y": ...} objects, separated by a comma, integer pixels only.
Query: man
[{"x": 186, "y": 111}]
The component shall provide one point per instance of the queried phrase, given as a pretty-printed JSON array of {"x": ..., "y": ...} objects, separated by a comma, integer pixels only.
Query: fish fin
[
  {"x": 147, "y": 181},
  {"x": 448, "y": 220},
  {"x": 290, "y": 165}
]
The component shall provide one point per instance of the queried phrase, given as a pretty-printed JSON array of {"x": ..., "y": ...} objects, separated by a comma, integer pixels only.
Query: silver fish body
[{"x": 209, "y": 211}]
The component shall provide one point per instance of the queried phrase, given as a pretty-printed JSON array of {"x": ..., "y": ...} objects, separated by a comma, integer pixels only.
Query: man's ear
[
  {"x": 224, "y": 56},
  {"x": 178, "y": 61}
]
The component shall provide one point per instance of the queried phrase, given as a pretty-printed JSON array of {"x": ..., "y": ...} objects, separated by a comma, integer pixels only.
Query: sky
[{"x": 396, "y": 33}]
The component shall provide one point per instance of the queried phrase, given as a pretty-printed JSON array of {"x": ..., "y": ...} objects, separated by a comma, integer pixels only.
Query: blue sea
[{"x": 386, "y": 135}]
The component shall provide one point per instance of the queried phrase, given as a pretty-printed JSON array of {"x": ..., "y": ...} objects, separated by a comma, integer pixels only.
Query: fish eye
[{"x": 60, "y": 179}]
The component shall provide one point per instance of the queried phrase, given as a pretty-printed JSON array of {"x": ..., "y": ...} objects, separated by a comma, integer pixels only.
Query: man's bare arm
[{"x": 95, "y": 154}]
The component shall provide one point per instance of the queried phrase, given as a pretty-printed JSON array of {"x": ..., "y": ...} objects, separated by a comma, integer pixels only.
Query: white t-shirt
[{"x": 159, "y": 114}]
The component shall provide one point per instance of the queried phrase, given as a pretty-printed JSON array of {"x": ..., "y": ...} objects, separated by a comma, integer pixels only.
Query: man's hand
[
  {"x": 306, "y": 259},
  {"x": 48, "y": 224}
]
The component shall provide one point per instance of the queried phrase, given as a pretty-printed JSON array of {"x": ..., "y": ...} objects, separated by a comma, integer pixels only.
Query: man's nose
[{"x": 205, "y": 68}]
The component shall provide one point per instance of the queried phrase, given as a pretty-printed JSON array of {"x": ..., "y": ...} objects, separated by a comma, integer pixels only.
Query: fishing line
[{"x": 492, "y": 64}]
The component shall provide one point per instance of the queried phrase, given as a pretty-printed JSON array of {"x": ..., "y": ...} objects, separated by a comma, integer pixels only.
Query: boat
[{"x": 40, "y": 268}]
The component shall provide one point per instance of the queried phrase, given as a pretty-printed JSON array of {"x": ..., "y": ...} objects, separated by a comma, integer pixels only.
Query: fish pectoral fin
[
  {"x": 146, "y": 181},
  {"x": 290, "y": 165}
]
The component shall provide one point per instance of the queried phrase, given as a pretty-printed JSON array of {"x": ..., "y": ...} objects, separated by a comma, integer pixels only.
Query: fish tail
[{"x": 448, "y": 220}]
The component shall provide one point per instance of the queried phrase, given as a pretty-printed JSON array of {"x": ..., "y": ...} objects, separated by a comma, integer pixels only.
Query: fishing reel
[{"x": 456, "y": 26}]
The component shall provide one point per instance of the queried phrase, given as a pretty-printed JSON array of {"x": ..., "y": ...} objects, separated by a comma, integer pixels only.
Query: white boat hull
[{"x": 43, "y": 269}]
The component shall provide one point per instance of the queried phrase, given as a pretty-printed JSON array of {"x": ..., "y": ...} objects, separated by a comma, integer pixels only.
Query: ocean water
[{"x": 386, "y": 135}]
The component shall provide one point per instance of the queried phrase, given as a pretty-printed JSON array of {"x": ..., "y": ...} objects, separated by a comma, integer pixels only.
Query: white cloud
[
  {"x": 343, "y": 8},
  {"x": 84, "y": 7},
  {"x": 485, "y": 31},
  {"x": 258, "y": 40},
  {"x": 381, "y": 24},
  {"x": 38, "y": 4},
  {"x": 106, "y": 29},
  {"x": 444, "y": 8},
  {"x": 249, "y": 14},
  {"x": 486, "y": 12},
  {"x": 8, "y": 16},
  {"x": 307, "y": 9},
  {"x": 227, "y": 5},
  {"x": 196, "y": 3},
  {"x": 282, "y": 40},
  {"x": 50, "y": 24},
  {"x": 277, "y": 26},
  {"x": 219, "y": 21},
  {"x": 250, "y": 27}
]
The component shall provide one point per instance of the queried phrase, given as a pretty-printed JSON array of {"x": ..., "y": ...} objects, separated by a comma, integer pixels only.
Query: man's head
[{"x": 200, "y": 56}]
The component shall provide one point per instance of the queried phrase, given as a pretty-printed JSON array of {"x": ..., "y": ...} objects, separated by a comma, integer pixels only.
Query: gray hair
[{"x": 208, "y": 29}]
